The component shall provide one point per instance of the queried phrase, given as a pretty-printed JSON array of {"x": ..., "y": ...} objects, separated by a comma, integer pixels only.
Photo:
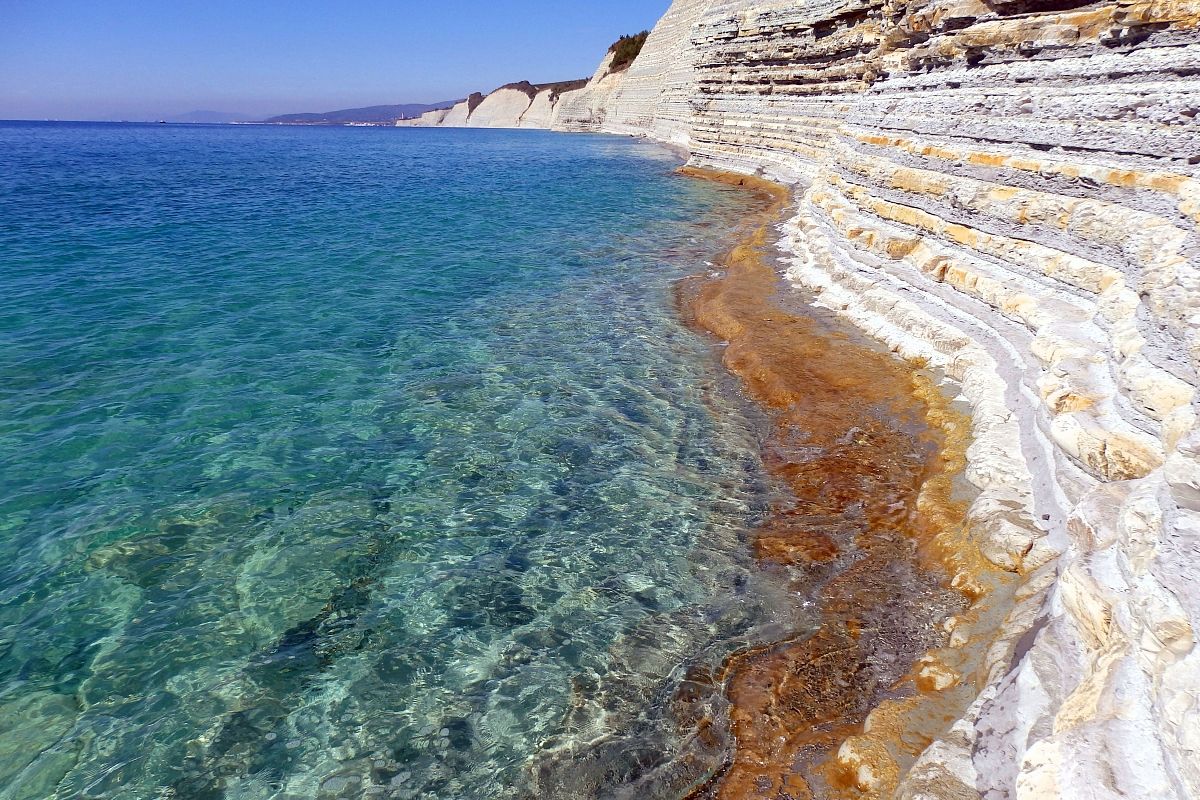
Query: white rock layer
[
  {"x": 430, "y": 119},
  {"x": 456, "y": 117},
  {"x": 584, "y": 109},
  {"x": 507, "y": 107},
  {"x": 502, "y": 108},
  {"x": 540, "y": 112}
]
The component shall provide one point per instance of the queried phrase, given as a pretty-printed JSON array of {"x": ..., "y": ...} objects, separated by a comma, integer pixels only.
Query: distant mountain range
[{"x": 378, "y": 114}]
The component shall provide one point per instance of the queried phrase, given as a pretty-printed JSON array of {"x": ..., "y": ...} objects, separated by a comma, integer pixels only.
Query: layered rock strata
[
  {"x": 584, "y": 109},
  {"x": 655, "y": 94},
  {"x": 1008, "y": 191}
]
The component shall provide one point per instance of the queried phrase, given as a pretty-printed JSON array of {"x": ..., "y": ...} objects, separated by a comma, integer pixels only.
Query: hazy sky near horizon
[{"x": 124, "y": 59}]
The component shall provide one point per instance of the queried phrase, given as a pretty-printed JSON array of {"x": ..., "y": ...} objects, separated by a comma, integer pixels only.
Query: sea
[{"x": 359, "y": 462}]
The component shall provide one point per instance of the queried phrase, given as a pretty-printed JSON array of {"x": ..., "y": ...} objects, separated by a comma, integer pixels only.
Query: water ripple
[{"x": 340, "y": 463}]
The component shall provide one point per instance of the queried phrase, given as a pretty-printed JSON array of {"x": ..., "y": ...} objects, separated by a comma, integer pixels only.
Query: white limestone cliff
[
  {"x": 540, "y": 112},
  {"x": 1009, "y": 190},
  {"x": 429, "y": 119},
  {"x": 456, "y": 117},
  {"x": 584, "y": 109},
  {"x": 502, "y": 108},
  {"x": 655, "y": 93},
  {"x": 517, "y": 105}
]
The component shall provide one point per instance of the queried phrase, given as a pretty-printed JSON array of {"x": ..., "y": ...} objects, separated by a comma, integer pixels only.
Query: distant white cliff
[{"x": 516, "y": 105}]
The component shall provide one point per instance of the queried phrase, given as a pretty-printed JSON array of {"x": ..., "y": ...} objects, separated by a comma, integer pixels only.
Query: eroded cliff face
[
  {"x": 585, "y": 109},
  {"x": 517, "y": 105},
  {"x": 1008, "y": 190}
]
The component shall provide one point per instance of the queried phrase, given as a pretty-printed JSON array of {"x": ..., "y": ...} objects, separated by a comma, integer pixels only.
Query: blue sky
[{"x": 115, "y": 59}]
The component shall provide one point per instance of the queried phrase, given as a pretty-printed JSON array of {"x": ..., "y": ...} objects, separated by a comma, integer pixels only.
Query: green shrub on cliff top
[{"x": 626, "y": 49}]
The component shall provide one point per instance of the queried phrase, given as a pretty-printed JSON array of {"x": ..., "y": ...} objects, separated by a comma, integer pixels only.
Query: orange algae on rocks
[{"x": 870, "y": 449}]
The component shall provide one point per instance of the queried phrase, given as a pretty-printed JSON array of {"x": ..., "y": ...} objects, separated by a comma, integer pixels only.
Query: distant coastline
[{"x": 368, "y": 115}]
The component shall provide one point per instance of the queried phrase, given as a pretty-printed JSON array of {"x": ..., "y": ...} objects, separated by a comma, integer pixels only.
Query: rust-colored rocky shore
[{"x": 874, "y": 536}]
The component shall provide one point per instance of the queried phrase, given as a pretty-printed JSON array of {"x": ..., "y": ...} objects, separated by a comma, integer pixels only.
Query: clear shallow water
[{"x": 340, "y": 463}]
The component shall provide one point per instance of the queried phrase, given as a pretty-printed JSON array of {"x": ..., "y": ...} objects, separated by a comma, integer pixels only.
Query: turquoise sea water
[{"x": 358, "y": 462}]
